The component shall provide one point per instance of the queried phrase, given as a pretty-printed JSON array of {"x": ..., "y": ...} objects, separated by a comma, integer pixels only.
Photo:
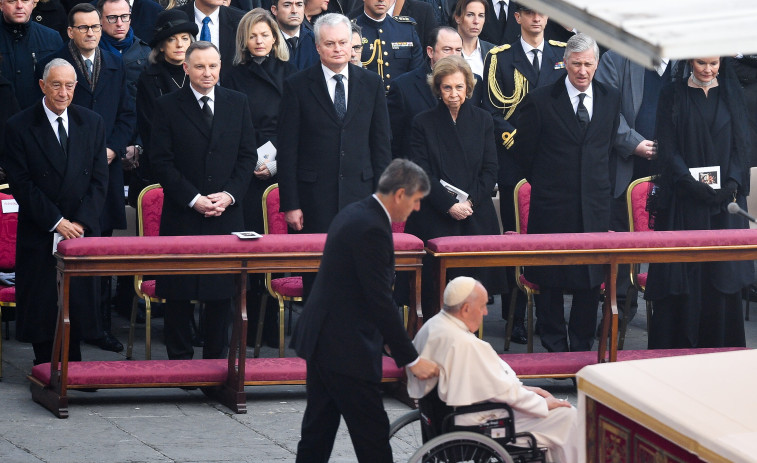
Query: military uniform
[{"x": 390, "y": 47}]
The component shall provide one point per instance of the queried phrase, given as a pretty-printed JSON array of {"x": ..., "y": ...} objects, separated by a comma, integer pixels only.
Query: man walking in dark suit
[
  {"x": 203, "y": 155},
  {"x": 510, "y": 72},
  {"x": 565, "y": 135},
  {"x": 55, "y": 158},
  {"x": 334, "y": 138},
  {"x": 350, "y": 316},
  {"x": 218, "y": 25}
]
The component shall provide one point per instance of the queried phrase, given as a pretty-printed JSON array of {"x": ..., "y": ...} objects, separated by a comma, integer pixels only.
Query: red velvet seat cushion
[
  {"x": 398, "y": 227},
  {"x": 639, "y": 196},
  {"x": 294, "y": 369},
  {"x": 7, "y": 294},
  {"x": 152, "y": 208},
  {"x": 126, "y": 372},
  {"x": 148, "y": 287},
  {"x": 599, "y": 240},
  {"x": 288, "y": 286},
  {"x": 549, "y": 363},
  {"x": 642, "y": 279},
  {"x": 626, "y": 355},
  {"x": 277, "y": 224},
  {"x": 528, "y": 284},
  {"x": 8, "y": 229},
  {"x": 213, "y": 244}
]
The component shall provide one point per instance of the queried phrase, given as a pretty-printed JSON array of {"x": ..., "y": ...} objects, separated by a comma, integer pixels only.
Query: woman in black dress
[
  {"x": 454, "y": 144},
  {"x": 260, "y": 66},
  {"x": 701, "y": 122},
  {"x": 174, "y": 32}
]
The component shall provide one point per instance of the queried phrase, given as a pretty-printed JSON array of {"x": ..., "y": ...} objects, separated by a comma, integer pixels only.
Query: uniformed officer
[
  {"x": 510, "y": 72},
  {"x": 391, "y": 46}
]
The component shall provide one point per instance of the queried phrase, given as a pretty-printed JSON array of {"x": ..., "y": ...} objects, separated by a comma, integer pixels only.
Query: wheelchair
[{"x": 431, "y": 435}]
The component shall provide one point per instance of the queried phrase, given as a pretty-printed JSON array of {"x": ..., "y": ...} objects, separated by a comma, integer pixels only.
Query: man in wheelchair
[{"x": 471, "y": 372}]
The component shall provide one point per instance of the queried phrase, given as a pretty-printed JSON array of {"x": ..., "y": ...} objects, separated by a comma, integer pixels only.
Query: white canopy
[{"x": 644, "y": 30}]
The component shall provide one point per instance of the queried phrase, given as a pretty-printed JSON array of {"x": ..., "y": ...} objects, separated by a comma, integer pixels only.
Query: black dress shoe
[
  {"x": 519, "y": 335},
  {"x": 109, "y": 342}
]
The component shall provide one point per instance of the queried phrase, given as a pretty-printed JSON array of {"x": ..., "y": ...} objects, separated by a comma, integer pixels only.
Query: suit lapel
[
  {"x": 551, "y": 57},
  {"x": 564, "y": 109},
  {"x": 219, "y": 116},
  {"x": 601, "y": 109},
  {"x": 424, "y": 90},
  {"x": 48, "y": 142},
  {"x": 321, "y": 92},
  {"x": 522, "y": 64},
  {"x": 636, "y": 75},
  {"x": 355, "y": 95},
  {"x": 77, "y": 141},
  {"x": 191, "y": 108}
]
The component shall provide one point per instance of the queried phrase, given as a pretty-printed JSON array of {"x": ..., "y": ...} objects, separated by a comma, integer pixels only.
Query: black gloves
[
  {"x": 698, "y": 191},
  {"x": 726, "y": 193}
]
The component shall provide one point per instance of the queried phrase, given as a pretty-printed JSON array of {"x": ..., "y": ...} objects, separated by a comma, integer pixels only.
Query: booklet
[
  {"x": 709, "y": 175},
  {"x": 454, "y": 191},
  {"x": 266, "y": 153},
  {"x": 247, "y": 235}
]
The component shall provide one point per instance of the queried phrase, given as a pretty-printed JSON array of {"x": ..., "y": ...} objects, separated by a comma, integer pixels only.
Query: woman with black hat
[{"x": 174, "y": 32}]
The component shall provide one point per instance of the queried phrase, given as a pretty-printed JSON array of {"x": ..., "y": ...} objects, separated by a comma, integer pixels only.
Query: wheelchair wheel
[
  {"x": 405, "y": 435},
  {"x": 461, "y": 446}
]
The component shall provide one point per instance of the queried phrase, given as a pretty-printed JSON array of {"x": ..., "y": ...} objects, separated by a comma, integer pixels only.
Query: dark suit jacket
[
  {"x": 568, "y": 171},
  {"x": 110, "y": 99},
  {"x": 190, "y": 158},
  {"x": 495, "y": 32},
  {"x": 326, "y": 164},
  {"x": 507, "y": 62},
  {"x": 48, "y": 186},
  {"x": 350, "y": 313},
  {"x": 306, "y": 55},
  {"x": 228, "y": 19}
]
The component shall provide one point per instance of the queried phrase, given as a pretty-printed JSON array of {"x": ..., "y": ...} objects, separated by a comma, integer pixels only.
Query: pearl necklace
[{"x": 700, "y": 83}]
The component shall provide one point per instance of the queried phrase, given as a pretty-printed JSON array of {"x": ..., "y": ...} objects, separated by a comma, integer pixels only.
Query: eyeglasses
[
  {"x": 357, "y": 47},
  {"x": 113, "y": 18},
  {"x": 83, "y": 29}
]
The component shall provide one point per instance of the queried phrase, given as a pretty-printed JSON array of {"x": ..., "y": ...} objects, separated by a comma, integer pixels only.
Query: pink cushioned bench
[
  {"x": 608, "y": 249},
  {"x": 162, "y": 255}
]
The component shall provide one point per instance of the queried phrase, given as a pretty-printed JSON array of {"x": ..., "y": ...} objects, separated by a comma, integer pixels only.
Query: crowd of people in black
[{"x": 99, "y": 96}]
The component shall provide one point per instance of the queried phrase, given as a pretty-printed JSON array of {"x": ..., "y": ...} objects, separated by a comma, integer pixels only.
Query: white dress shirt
[
  {"x": 527, "y": 48},
  {"x": 328, "y": 74},
  {"x": 573, "y": 94},
  {"x": 496, "y": 7},
  {"x": 475, "y": 61},
  {"x": 212, "y": 25},
  {"x": 53, "y": 118}
]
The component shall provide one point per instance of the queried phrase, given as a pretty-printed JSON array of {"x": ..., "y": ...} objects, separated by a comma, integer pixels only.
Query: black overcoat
[
  {"x": 48, "y": 186},
  {"x": 324, "y": 163},
  {"x": 569, "y": 172},
  {"x": 190, "y": 158}
]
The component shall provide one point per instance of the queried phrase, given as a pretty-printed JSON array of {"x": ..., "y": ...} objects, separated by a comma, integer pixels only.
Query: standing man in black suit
[
  {"x": 500, "y": 26},
  {"x": 510, "y": 72},
  {"x": 334, "y": 137},
  {"x": 55, "y": 158},
  {"x": 565, "y": 136},
  {"x": 203, "y": 153},
  {"x": 350, "y": 316},
  {"x": 218, "y": 25},
  {"x": 289, "y": 15}
]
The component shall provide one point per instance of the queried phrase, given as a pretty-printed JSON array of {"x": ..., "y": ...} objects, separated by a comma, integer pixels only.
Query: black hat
[{"x": 172, "y": 22}]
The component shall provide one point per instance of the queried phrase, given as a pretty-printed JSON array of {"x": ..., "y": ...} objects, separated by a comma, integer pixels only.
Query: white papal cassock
[{"x": 470, "y": 371}]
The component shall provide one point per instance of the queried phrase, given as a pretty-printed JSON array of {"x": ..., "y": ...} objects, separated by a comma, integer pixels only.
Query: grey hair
[
  {"x": 331, "y": 20},
  {"x": 453, "y": 309},
  {"x": 580, "y": 43},
  {"x": 57, "y": 62},
  {"x": 199, "y": 45},
  {"x": 402, "y": 173}
]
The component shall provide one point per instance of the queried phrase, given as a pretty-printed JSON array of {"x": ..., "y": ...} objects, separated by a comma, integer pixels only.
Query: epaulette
[
  {"x": 404, "y": 19},
  {"x": 557, "y": 43},
  {"x": 498, "y": 49}
]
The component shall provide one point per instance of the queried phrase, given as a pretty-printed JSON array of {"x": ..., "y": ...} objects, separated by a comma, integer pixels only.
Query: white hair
[
  {"x": 57, "y": 62},
  {"x": 580, "y": 43},
  {"x": 331, "y": 20}
]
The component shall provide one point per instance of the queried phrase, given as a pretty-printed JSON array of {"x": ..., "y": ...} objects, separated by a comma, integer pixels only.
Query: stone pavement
[{"x": 174, "y": 425}]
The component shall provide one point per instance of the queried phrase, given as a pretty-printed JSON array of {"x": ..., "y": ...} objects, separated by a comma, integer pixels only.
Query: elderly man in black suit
[
  {"x": 334, "y": 136},
  {"x": 102, "y": 88},
  {"x": 217, "y": 24},
  {"x": 411, "y": 93},
  {"x": 203, "y": 153},
  {"x": 566, "y": 132},
  {"x": 350, "y": 316},
  {"x": 55, "y": 158}
]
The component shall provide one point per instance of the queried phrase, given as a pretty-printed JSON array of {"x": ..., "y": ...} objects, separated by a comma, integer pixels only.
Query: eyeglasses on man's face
[
  {"x": 357, "y": 47},
  {"x": 83, "y": 28},
  {"x": 113, "y": 18}
]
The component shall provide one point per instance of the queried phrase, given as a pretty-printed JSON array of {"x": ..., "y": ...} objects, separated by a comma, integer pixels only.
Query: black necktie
[
  {"x": 535, "y": 62},
  {"x": 340, "y": 102},
  {"x": 502, "y": 12},
  {"x": 582, "y": 113},
  {"x": 292, "y": 43},
  {"x": 62, "y": 135},
  {"x": 206, "y": 111}
]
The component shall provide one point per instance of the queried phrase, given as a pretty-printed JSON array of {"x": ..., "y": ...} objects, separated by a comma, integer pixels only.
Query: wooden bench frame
[
  {"x": 54, "y": 395},
  {"x": 609, "y": 258}
]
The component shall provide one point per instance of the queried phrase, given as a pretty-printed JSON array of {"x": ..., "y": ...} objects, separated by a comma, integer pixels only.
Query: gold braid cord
[
  {"x": 378, "y": 55},
  {"x": 509, "y": 103}
]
